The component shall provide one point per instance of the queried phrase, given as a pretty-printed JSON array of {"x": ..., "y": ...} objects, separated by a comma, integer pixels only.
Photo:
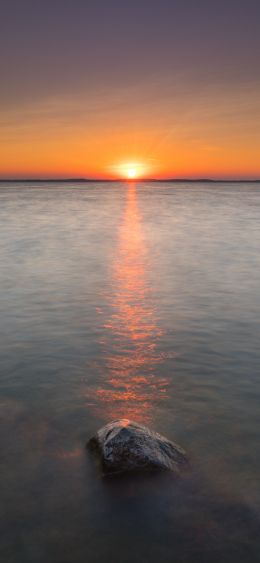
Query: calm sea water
[{"x": 140, "y": 301}]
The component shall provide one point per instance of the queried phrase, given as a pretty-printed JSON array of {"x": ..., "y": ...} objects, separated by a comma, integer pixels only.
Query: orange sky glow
[
  {"x": 192, "y": 137},
  {"x": 95, "y": 92}
]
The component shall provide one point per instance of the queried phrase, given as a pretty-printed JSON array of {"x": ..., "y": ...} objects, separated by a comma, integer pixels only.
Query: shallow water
[{"x": 139, "y": 301}]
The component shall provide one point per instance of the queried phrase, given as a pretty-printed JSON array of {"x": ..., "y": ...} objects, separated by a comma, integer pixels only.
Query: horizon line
[{"x": 127, "y": 180}]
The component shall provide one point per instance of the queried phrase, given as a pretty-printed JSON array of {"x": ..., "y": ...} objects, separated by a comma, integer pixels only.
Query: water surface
[{"x": 134, "y": 300}]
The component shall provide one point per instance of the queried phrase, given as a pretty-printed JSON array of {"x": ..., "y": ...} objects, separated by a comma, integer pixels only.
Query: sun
[
  {"x": 130, "y": 170},
  {"x": 131, "y": 173}
]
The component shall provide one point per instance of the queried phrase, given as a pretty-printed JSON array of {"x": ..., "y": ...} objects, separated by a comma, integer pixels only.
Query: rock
[{"x": 125, "y": 446}]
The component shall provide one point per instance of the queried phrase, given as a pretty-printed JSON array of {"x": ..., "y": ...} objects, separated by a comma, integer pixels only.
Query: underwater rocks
[{"x": 125, "y": 446}]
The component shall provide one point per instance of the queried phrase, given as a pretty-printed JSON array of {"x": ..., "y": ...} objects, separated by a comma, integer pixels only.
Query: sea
[{"x": 139, "y": 301}]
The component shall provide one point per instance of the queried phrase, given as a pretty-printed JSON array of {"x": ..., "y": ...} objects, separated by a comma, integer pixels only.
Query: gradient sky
[{"x": 88, "y": 86}]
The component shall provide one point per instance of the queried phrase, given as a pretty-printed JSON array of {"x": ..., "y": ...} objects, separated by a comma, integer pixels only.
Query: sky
[{"x": 100, "y": 88}]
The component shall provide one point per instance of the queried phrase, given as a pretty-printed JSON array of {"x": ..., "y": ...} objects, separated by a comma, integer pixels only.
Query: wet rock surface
[{"x": 125, "y": 446}]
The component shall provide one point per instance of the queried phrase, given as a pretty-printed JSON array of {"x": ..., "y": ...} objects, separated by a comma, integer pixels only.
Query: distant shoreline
[{"x": 106, "y": 180}]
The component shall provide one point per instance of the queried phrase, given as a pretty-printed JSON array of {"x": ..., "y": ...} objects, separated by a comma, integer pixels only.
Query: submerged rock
[{"x": 125, "y": 446}]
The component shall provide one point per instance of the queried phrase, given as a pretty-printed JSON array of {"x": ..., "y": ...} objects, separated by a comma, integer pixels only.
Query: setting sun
[
  {"x": 130, "y": 170},
  {"x": 131, "y": 173}
]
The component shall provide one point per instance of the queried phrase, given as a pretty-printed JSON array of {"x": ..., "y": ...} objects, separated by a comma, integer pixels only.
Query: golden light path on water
[{"x": 131, "y": 387}]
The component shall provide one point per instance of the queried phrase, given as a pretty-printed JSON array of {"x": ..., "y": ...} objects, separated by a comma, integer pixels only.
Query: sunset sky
[{"x": 95, "y": 88}]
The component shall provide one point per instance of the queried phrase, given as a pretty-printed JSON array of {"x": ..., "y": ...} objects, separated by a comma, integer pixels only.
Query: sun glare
[
  {"x": 131, "y": 173},
  {"x": 130, "y": 170}
]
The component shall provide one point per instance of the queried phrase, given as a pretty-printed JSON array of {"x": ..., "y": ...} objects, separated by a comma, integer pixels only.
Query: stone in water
[{"x": 125, "y": 446}]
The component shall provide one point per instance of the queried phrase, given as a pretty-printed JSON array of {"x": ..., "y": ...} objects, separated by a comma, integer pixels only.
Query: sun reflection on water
[{"x": 132, "y": 387}]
